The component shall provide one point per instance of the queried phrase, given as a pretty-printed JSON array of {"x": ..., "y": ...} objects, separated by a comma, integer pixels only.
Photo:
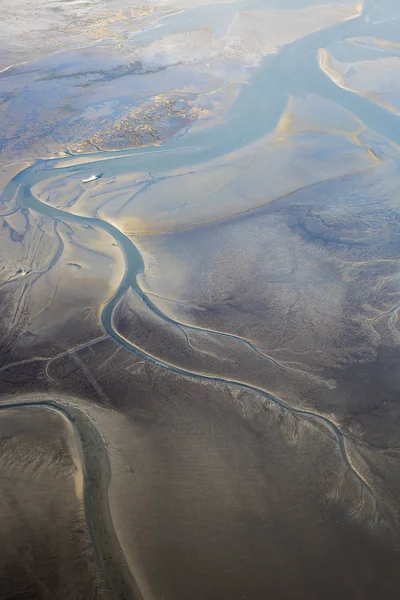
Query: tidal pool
[{"x": 199, "y": 300}]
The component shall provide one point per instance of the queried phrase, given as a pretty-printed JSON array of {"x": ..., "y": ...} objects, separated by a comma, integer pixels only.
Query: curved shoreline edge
[
  {"x": 97, "y": 472},
  {"x": 97, "y": 475},
  {"x": 105, "y": 540}
]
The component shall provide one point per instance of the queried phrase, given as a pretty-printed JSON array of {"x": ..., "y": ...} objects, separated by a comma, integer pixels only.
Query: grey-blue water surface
[{"x": 216, "y": 311}]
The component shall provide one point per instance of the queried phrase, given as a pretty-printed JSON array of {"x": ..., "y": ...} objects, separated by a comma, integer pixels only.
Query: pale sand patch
[{"x": 378, "y": 80}]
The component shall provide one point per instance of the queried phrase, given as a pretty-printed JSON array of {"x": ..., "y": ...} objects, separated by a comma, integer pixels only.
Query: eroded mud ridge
[{"x": 213, "y": 320}]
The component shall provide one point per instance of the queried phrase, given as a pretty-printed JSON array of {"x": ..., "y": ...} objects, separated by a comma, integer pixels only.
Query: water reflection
[{"x": 200, "y": 299}]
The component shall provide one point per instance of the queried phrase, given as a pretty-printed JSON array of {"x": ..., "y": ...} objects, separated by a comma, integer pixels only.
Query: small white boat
[{"x": 91, "y": 178}]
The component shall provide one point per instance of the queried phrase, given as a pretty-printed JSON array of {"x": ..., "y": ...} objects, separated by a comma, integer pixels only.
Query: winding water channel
[{"x": 294, "y": 71}]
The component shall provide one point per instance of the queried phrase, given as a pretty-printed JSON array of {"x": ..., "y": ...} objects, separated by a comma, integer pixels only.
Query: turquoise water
[{"x": 317, "y": 143}]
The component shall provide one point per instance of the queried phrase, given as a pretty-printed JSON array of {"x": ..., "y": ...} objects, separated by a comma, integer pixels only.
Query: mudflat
[{"x": 199, "y": 299}]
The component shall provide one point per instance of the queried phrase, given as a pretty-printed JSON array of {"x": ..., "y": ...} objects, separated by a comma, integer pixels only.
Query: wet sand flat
[{"x": 199, "y": 300}]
